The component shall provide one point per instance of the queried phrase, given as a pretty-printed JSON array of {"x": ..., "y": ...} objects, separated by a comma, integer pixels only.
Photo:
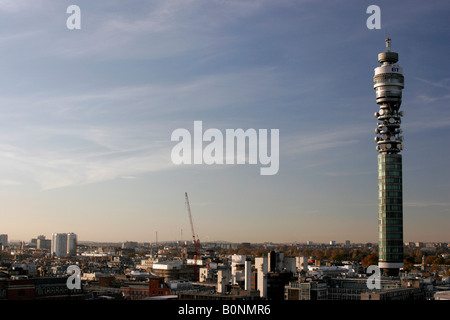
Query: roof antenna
[{"x": 388, "y": 44}]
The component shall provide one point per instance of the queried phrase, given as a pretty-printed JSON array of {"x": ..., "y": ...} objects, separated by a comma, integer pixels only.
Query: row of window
[
  {"x": 387, "y": 92},
  {"x": 390, "y": 216},
  {"x": 390, "y": 160},
  {"x": 145, "y": 292},
  {"x": 390, "y": 243},
  {"x": 397, "y": 166},
  {"x": 389, "y": 186},
  {"x": 392, "y": 221},
  {"x": 382, "y": 228},
  {"x": 389, "y": 180},
  {"x": 389, "y": 173},
  {"x": 44, "y": 290},
  {"x": 391, "y": 237},
  {"x": 383, "y": 208},
  {"x": 390, "y": 257},
  {"x": 395, "y": 81},
  {"x": 390, "y": 194},
  {"x": 391, "y": 250},
  {"x": 390, "y": 202}
]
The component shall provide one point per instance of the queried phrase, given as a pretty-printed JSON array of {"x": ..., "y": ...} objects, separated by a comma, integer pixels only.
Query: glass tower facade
[{"x": 390, "y": 210}]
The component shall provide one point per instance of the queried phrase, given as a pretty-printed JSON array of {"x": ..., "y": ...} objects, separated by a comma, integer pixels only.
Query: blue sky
[{"x": 87, "y": 116}]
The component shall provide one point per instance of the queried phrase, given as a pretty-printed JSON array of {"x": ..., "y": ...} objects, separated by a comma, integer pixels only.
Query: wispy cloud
[
  {"x": 63, "y": 140},
  {"x": 428, "y": 121},
  {"x": 14, "y": 6},
  {"x": 347, "y": 173},
  {"x": 321, "y": 140},
  {"x": 423, "y": 98},
  {"x": 438, "y": 84},
  {"x": 10, "y": 182},
  {"x": 424, "y": 204},
  {"x": 53, "y": 170},
  {"x": 153, "y": 30}
]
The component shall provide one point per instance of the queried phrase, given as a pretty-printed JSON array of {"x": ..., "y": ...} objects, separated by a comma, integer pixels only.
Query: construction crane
[{"x": 194, "y": 238}]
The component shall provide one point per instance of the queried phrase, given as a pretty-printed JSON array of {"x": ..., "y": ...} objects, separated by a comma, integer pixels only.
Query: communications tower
[{"x": 388, "y": 83}]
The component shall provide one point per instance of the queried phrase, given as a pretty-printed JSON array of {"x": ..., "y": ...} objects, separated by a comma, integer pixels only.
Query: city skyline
[{"x": 87, "y": 117}]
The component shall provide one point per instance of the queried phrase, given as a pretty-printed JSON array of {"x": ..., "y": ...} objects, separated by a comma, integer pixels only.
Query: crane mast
[
  {"x": 190, "y": 216},
  {"x": 194, "y": 237}
]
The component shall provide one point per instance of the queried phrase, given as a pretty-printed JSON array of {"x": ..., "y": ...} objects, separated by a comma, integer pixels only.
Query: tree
[
  {"x": 355, "y": 254},
  {"x": 260, "y": 252},
  {"x": 243, "y": 251},
  {"x": 438, "y": 260},
  {"x": 318, "y": 254},
  {"x": 408, "y": 263},
  {"x": 369, "y": 260},
  {"x": 429, "y": 259},
  {"x": 306, "y": 253},
  {"x": 338, "y": 255}
]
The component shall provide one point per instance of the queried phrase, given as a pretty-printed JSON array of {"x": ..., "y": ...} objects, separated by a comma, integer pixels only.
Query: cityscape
[
  {"x": 232, "y": 160},
  {"x": 224, "y": 271}
]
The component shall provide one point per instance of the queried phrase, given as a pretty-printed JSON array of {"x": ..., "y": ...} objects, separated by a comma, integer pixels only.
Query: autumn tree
[
  {"x": 338, "y": 255},
  {"x": 306, "y": 253},
  {"x": 318, "y": 254},
  {"x": 408, "y": 263},
  {"x": 243, "y": 251},
  {"x": 369, "y": 260},
  {"x": 429, "y": 259},
  {"x": 438, "y": 260}
]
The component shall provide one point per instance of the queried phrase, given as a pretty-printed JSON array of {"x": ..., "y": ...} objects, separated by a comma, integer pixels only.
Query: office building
[
  {"x": 3, "y": 240},
  {"x": 71, "y": 244},
  {"x": 63, "y": 244}
]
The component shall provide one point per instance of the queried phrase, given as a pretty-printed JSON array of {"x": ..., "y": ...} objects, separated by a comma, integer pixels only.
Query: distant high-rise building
[
  {"x": 388, "y": 83},
  {"x": 129, "y": 245},
  {"x": 64, "y": 244},
  {"x": 59, "y": 244},
  {"x": 42, "y": 243},
  {"x": 3, "y": 240},
  {"x": 71, "y": 244}
]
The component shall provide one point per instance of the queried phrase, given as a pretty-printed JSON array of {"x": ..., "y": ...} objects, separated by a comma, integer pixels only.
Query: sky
[{"x": 86, "y": 118}]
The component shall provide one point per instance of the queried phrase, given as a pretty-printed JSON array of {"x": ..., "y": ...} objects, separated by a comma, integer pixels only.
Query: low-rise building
[
  {"x": 306, "y": 290},
  {"x": 394, "y": 294},
  {"x": 154, "y": 287},
  {"x": 40, "y": 288}
]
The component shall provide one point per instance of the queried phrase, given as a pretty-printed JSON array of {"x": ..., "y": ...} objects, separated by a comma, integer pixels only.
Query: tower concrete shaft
[{"x": 388, "y": 83}]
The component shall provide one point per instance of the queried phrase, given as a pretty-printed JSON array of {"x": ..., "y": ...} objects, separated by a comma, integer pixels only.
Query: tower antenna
[{"x": 388, "y": 44}]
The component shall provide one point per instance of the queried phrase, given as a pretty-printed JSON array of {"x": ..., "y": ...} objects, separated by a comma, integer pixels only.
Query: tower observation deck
[{"x": 388, "y": 83}]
